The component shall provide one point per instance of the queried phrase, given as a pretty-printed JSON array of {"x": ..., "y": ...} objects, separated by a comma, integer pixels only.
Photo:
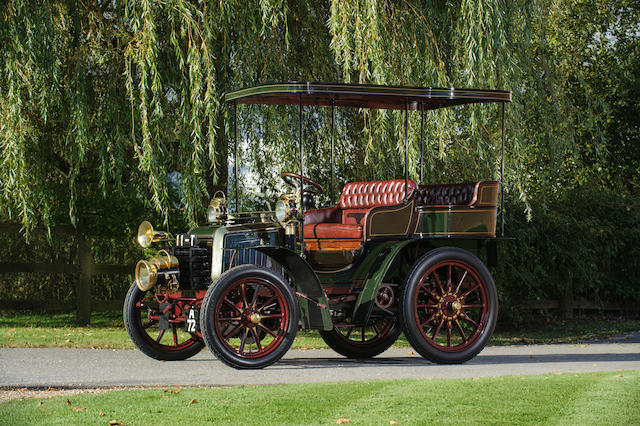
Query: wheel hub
[{"x": 450, "y": 306}]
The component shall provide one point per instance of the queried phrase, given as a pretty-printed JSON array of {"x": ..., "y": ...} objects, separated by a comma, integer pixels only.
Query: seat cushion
[{"x": 333, "y": 230}]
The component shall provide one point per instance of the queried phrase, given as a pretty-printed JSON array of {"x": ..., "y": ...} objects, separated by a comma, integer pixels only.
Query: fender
[
  {"x": 307, "y": 286},
  {"x": 382, "y": 256}
]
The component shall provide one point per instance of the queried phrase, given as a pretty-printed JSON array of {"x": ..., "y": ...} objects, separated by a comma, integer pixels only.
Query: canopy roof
[{"x": 363, "y": 95}]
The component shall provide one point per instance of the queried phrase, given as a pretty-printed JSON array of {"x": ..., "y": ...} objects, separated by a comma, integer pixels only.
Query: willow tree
[{"x": 108, "y": 105}]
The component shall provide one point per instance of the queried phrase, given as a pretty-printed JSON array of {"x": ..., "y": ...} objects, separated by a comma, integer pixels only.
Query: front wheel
[
  {"x": 155, "y": 324},
  {"x": 249, "y": 317},
  {"x": 449, "y": 306}
]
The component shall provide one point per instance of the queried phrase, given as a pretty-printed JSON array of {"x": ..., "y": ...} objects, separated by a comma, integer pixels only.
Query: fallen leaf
[
  {"x": 68, "y": 341},
  {"x": 172, "y": 390},
  {"x": 101, "y": 413},
  {"x": 79, "y": 408},
  {"x": 68, "y": 402},
  {"x": 475, "y": 378},
  {"x": 193, "y": 401},
  {"x": 341, "y": 421},
  {"x": 393, "y": 422},
  {"x": 40, "y": 403},
  {"x": 115, "y": 423},
  {"x": 410, "y": 353},
  {"x": 618, "y": 375}
]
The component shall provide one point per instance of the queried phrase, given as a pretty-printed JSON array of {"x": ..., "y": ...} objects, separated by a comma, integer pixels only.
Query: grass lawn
[
  {"x": 107, "y": 331},
  {"x": 592, "y": 398}
]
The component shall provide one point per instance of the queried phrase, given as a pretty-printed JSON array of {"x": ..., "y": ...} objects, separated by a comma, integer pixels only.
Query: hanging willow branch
[{"x": 110, "y": 105}]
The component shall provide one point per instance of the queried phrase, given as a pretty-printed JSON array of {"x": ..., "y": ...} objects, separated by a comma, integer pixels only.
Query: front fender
[
  {"x": 307, "y": 284},
  {"x": 380, "y": 259}
]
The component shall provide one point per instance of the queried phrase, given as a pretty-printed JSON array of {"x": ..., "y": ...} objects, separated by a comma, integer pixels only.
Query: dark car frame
[{"x": 389, "y": 257}]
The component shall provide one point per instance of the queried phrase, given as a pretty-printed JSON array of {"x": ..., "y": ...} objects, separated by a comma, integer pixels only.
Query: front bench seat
[{"x": 347, "y": 219}]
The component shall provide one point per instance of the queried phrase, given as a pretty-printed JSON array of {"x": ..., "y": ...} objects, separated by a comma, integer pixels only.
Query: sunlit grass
[{"x": 591, "y": 398}]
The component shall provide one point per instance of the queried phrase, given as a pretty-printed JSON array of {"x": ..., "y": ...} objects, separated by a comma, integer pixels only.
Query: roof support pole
[
  {"x": 235, "y": 149},
  {"x": 421, "y": 140},
  {"x": 502, "y": 179},
  {"x": 406, "y": 149},
  {"x": 301, "y": 181},
  {"x": 333, "y": 117}
]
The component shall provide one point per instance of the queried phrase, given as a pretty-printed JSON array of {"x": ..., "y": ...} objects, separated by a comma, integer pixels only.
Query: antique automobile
[{"x": 390, "y": 256}]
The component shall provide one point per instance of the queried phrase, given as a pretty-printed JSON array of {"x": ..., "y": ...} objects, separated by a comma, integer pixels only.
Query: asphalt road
[{"x": 91, "y": 368}]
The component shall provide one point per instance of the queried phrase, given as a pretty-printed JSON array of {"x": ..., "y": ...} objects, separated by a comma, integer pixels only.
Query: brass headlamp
[
  {"x": 147, "y": 271},
  {"x": 217, "y": 209},
  {"x": 286, "y": 207},
  {"x": 147, "y": 235}
]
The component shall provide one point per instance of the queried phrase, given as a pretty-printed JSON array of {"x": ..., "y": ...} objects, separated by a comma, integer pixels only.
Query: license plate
[{"x": 193, "y": 316}]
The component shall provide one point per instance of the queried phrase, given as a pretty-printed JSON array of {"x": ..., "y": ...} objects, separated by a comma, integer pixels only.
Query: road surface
[{"x": 93, "y": 368}]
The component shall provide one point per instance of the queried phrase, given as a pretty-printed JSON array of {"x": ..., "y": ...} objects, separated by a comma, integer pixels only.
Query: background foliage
[{"x": 111, "y": 111}]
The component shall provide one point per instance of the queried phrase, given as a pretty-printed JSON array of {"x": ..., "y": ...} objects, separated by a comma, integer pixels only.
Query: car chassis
[{"x": 389, "y": 257}]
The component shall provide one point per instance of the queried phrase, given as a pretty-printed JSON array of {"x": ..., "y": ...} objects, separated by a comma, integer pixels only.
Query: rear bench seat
[
  {"x": 347, "y": 219},
  {"x": 482, "y": 193}
]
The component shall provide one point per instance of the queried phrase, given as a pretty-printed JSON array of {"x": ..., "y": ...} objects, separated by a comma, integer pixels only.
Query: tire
[
  {"x": 149, "y": 338},
  {"x": 379, "y": 335},
  {"x": 249, "y": 307},
  {"x": 445, "y": 322}
]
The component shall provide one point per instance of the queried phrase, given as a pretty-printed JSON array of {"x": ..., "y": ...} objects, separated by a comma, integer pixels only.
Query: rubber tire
[
  {"x": 335, "y": 340},
  {"x": 140, "y": 338},
  {"x": 411, "y": 331},
  {"x": 207, "y": 313}
]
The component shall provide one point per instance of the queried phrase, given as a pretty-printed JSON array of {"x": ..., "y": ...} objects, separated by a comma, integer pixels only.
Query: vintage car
[{"x": 390, "y": 256}]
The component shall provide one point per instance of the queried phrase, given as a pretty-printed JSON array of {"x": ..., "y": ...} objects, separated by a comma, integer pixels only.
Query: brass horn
[{"x": 147, "y": 235}]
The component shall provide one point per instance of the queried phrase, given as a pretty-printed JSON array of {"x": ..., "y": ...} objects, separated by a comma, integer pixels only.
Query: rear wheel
[
  {"x": 249, "y": 317},
  {"x": 363, "y": 341},
  {"x": 449, "y": 306},
  {"x": 143, "y": 314}
]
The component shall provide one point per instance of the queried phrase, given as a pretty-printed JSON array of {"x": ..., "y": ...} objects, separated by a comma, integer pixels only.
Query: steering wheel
[{"x": 293, "y": 179}]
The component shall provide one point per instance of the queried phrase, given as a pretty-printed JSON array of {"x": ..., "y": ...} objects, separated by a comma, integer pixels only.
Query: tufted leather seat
[
  {"x": 346, "y": 220},
  {"x": 456, "y": 194}
]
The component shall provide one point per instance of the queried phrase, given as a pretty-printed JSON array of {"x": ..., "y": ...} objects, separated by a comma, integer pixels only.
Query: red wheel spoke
[
  {"x": 254, "y": 299},
  {"x": 267, "y": 303},
  {"x": 243, "y": 291},
  {"x": 435, "y": 333},
  {"x": 375, "y": 328},
  {"x": 448, "y": 333},
  {"x": 175, "y": 334},
  {"x": 232, "y": 332},
  {"x": 461, "y": 280},
  {"x": 473, "y": 306},
  {"x": 464, "y": 295},
  {"x": 427, "y": 306},
  {"x": 229, "y": 319},
  {"x": 160, "y": 336},
  {"x": 255, "y": 336},
  {"x": 431, "y": 293},
  {"x": 459, "y": 327},
  {"x": 449, "y": 283},
  {"x": 435, "y": 275},
  {"x": 230, "y": 303},
  {"x": 272, "y": 316},
  {"x": 274, "y": 335},
  {"x": 466, "y": 318},
  {"x": 431, "y": 318},
  {"x": 244, "y": 339},
  {"x": 349, "y": 332}
]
